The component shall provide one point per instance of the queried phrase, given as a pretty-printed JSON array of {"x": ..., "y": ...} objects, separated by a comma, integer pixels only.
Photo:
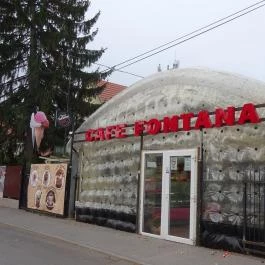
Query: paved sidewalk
[{"x": 128, "y": 246}]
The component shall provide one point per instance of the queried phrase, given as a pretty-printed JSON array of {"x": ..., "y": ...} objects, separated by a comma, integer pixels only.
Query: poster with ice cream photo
[{"x": 46, "y": 188}]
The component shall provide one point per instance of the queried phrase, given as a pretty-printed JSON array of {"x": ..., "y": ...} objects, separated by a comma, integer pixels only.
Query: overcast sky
[{"x": 128, "y": 28}]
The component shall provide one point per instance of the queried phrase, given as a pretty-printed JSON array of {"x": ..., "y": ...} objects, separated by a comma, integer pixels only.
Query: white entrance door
[{"x": 169, "y": 195}]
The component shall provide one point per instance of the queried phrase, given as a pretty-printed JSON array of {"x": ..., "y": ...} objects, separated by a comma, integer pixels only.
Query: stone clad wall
[
  {"x": 108, "y": 184},
  {"x": 232, "y": 156}
]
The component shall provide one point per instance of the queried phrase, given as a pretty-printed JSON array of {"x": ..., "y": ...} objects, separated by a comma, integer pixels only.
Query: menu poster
[
  {"x": 2, "y": 180},
  {"x": 46, "y": 188},
  {"x": 173, "y": 163},
  {"x": 187, "y": 164},
  {"x": 151, "y": 164}
]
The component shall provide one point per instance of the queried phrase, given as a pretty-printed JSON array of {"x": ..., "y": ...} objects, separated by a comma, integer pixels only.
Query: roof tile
[{"x": 109, "y": 91}]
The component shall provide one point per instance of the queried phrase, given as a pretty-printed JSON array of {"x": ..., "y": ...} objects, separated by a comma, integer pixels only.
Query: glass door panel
[
  {"x": 179, "y": 196},
  {"x": 152, "y": 193},
  {"x": 168, "y": 195}
]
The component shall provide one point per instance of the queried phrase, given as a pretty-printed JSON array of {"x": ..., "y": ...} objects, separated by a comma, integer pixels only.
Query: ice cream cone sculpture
[{"x": 38, "y": 123}]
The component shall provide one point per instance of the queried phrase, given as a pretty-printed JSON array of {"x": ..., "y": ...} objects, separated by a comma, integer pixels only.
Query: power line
[
  {"x": 111, "y": 68},
  {"x": 186, "y": 35},
  {"x": 193, "y": 36}
]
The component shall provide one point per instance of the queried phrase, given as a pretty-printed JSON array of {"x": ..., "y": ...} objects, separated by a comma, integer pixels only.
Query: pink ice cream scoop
[{"x": 40, "y": 117}]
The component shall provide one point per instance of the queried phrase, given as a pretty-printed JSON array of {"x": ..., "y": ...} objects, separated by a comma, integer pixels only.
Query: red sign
[{"x": 222, "y": 117}]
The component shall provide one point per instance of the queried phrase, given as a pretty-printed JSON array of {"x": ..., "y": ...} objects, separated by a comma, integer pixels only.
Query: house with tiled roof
[{"x": 108, "y": 92}]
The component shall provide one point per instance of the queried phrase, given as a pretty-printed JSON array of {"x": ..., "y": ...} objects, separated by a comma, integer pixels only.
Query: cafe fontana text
[{"x": 183, "y": 122}]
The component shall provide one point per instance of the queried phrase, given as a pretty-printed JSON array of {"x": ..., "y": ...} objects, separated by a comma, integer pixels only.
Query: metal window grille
[{"x": 254, "y": 212}]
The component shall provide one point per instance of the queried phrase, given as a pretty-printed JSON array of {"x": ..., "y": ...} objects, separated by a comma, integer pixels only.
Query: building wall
[
  {"x": 108, "y": 184},
  {"x": 233, "y": 157},
  {"x": 109, "y": 170}
]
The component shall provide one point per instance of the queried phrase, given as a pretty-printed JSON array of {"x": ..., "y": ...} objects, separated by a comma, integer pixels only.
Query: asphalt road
[{"x": 20, "y": 247}]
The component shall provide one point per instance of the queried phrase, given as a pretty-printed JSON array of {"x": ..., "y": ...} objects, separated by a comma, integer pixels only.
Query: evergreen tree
[{"x": 43, "y": 54}]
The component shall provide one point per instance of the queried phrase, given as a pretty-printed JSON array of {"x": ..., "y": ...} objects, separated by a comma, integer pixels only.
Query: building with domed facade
[{"x": 179, "y": 156}]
